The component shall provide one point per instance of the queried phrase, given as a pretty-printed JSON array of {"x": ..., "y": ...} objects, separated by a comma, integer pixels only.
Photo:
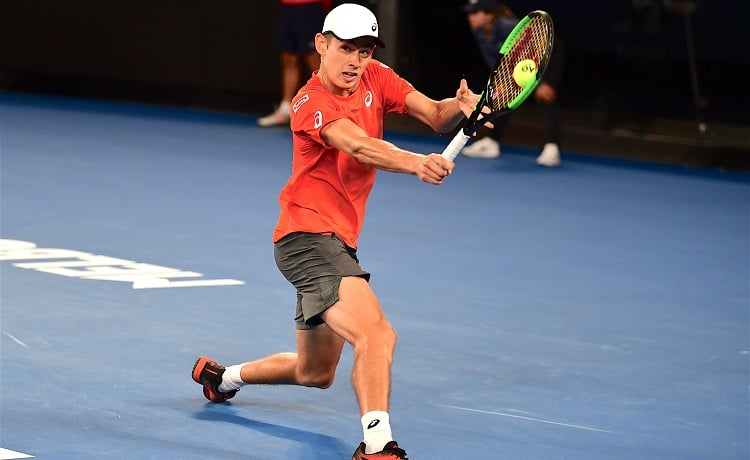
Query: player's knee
[
  {"x": 390, "y": 337},
  {"x": 384, "y": 336},
  {"x": 375, "y": 337},
  {"x": 321, "y": 379},
  {"x": 324, "y": 383}
]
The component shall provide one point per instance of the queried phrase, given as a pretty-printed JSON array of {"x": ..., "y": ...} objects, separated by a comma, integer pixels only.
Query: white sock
[
  {"x": 231, "y": 379},
  {"x": 376, "y": 427}
]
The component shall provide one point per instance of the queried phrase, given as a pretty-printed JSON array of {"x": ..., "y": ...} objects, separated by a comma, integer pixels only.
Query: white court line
[
  {"x": 7, "y": 454},
  {"x": 522, "y": 417},
  {"x": 13, "y": 338}
]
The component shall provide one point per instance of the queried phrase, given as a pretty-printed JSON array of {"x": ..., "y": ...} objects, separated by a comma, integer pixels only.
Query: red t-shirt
[{"x": 328, "y": 189}]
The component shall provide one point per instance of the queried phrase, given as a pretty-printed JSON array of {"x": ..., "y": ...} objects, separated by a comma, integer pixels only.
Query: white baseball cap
[{"x": 349, "y": 21}]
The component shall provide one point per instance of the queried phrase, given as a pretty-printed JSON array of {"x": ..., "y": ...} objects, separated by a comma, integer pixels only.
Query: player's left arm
[{"x": 443, "y": 115}]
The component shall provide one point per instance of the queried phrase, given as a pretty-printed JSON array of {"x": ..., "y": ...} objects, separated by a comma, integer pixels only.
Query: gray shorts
[{"x": 315, "y": 264}]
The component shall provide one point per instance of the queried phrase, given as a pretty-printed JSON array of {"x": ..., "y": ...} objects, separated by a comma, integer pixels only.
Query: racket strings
[{"x": 532, "y": 43}]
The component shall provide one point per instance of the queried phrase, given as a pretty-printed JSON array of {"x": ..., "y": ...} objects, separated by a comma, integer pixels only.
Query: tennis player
[{"x": 337, "y": 127}]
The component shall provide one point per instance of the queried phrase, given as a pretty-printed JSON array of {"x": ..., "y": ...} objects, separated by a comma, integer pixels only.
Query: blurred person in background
[{"x": 299, "y": 21}]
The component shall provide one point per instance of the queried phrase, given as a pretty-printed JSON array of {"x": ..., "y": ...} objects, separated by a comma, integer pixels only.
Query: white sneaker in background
[
  {"x": 550, "y": 156},
  {"x": 280, "y": 116},
  {"x": 485, "y": 147}
]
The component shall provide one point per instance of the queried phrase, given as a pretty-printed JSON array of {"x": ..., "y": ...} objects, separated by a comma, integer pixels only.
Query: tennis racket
[{"x": 523, "y": 55}]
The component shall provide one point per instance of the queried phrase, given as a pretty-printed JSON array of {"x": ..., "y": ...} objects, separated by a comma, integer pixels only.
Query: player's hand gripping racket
[{"x": 521, "y": 61}]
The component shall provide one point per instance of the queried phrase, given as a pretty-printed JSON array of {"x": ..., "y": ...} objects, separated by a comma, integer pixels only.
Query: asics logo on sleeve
[
  {"x": 300, "y": 101},
  {"x": 318, "y": 119}
]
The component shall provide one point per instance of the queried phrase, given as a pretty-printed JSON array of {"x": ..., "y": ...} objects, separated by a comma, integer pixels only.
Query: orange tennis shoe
[
  {"x": 208, "y": 373},
  {"x": 391, "y": 451}
]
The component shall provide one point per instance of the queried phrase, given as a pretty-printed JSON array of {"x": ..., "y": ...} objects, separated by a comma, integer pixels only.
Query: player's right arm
[{"x": 346, "y": 136}]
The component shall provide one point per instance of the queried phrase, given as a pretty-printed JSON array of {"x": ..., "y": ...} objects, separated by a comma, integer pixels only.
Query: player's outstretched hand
[
  {"x": 434, "y": 169},
  {"x": 466, "y": 98}
]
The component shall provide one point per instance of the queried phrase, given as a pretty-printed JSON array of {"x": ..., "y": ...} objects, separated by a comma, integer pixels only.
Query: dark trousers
[{"x": 552, "y": 128}]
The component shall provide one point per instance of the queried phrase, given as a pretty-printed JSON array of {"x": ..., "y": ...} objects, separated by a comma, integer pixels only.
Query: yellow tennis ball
[{"x": 524, "y": 72}]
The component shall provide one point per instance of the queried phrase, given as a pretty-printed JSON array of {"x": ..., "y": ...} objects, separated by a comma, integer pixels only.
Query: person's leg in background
[
  {"x": 550, "y": 155},
  {"x": 294, "y": 39}
]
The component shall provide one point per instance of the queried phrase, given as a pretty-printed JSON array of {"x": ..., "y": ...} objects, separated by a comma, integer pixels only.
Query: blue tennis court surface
[{"x": 594, "y": 311}]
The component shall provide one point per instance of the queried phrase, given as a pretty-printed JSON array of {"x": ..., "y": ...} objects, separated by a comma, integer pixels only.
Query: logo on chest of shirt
[{"x": 368, "y": 98}]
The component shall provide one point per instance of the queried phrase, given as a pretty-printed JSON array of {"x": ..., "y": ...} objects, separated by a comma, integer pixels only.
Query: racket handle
[{"x": 455, "y": 146}]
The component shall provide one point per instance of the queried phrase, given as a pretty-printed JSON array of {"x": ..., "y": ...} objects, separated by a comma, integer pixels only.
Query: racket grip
[{"x": 455, "y": 146}]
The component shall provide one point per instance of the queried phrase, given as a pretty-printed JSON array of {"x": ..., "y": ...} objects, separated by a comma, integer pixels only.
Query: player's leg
[
  {"x": 313, "y": 365},
  {"x": 314, "y": 264},
  {"x": 359, "y": 319}
]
